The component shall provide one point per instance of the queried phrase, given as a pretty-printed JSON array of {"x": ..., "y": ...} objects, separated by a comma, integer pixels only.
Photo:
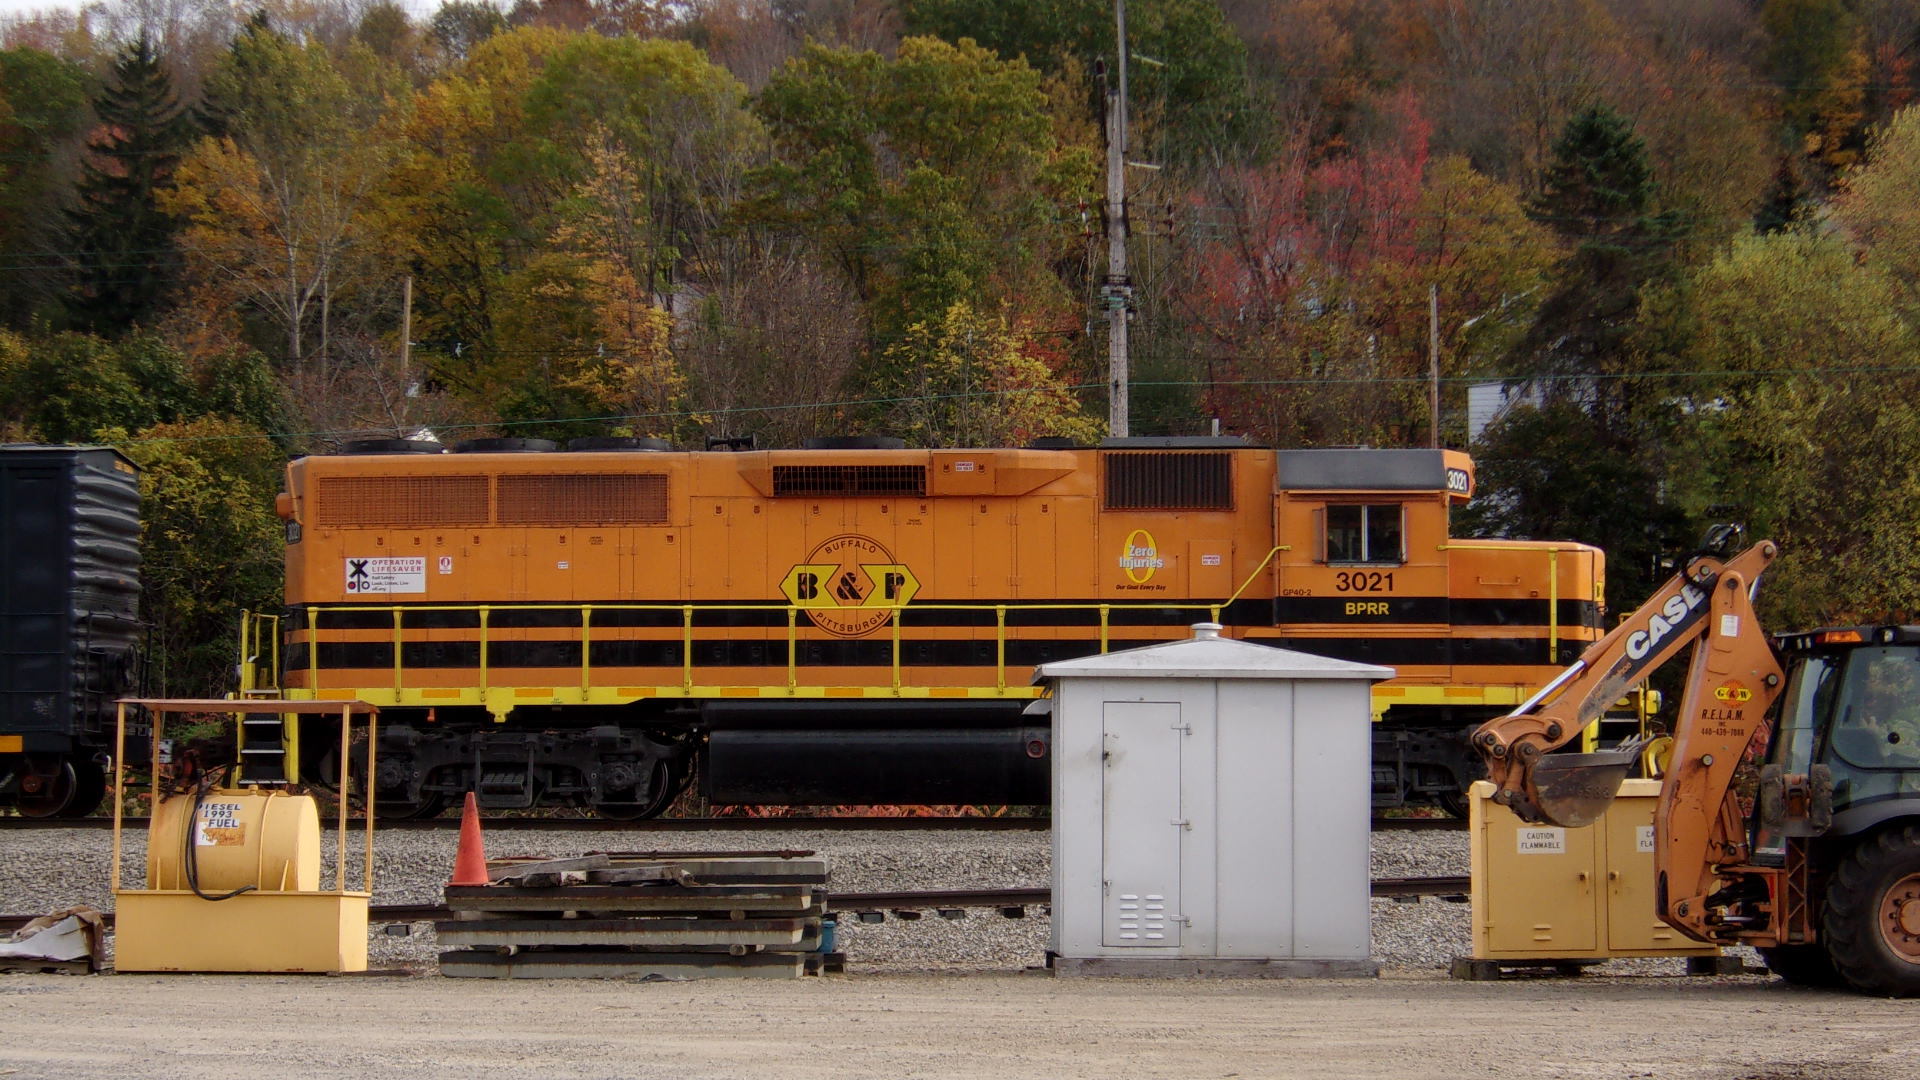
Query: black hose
[{"x": 192, "y": 857}]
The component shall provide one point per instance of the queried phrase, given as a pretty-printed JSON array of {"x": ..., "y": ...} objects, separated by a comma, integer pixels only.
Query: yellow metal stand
[{"x": 264, "y": 930}]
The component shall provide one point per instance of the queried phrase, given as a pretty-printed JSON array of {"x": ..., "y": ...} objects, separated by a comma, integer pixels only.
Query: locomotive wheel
[
  {"x": 1802, "y": 965},
  {"x": 1872, "y": 918},
  {"x": 90, "y": 787},
  {"x": 666, "y": 787},
  {"x": 47, "y": 787},
  {"x": 1452, "y": 803}
]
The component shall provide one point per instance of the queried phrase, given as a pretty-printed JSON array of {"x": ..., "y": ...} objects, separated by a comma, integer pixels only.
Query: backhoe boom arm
[{"x": 1731, "y": 682}]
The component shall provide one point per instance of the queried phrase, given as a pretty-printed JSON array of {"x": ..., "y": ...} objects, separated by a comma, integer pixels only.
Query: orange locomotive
[{"x": 857, "y": 622}]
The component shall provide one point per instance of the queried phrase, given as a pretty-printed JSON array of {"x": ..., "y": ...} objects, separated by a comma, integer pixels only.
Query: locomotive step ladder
[{"x": 268, "y": 750}]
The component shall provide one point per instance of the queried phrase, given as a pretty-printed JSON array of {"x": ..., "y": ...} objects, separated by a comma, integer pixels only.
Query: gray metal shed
[{"x": 1210, "y": 810}]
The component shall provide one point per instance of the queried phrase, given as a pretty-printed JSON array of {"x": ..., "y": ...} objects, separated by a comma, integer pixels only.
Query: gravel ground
[{"x": 48, "y": 869}]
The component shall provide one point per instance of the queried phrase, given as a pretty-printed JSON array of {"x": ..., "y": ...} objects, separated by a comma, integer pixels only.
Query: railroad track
[
  {"x": 911, "y": 904},
  {"x": 715, "y": 824}
]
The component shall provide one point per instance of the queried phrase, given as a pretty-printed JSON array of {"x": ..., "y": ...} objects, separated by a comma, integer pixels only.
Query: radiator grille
[
  {"x": 592, "y": 499},
  {"x": 850, "y": 480},
  {"x": 404, "y": 501},
  {"x": 1169, "y": 481}
]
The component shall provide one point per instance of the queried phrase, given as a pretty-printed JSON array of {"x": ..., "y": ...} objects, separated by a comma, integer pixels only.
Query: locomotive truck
[{"x": 855, "y": 622}]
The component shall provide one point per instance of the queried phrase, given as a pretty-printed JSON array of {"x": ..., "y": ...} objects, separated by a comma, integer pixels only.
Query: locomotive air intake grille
[
  {"x": 1170, "y": 481},
  {"x": 591, "y": 499},
  {"x": 417, "y": 501},
  {"x": 850, "y": 480}
]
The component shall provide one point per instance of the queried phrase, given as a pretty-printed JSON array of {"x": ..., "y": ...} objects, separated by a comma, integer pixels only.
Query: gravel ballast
[{"x": 50, "y": 868}]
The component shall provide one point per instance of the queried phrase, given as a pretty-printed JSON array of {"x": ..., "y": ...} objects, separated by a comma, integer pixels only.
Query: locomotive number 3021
[{"x": 1363, "y": 581}]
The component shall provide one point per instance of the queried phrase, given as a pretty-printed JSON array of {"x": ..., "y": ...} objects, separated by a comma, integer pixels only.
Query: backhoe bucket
[{"x": 1573, "y": 790}]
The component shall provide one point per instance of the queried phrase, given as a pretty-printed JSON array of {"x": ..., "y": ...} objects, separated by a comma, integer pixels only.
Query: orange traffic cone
[{"x": 470, "y": 861}]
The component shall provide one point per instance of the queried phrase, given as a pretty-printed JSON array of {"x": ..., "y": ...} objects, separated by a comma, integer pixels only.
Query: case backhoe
[{"x": 1794, "y": 829}]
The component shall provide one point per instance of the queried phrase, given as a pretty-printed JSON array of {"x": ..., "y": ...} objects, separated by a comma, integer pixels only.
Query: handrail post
[
  {"x": 1000, "y": 647},
  {"x": 486, "y": 617},
  {"x": 1105, "y": 610},
  {"x": 246, "y": 668},
  {"x": 686, "y": 648},
  {"x": 397, "y": 680},
  {"x": 1553, "y": 605},
  {"x": 313, "y": 651},
  {"x": 793, "y": 648},
  {"x": 373, "y": 744},
  {"x": 895, "y": 620},
  {"x": 586, "y": 649}
]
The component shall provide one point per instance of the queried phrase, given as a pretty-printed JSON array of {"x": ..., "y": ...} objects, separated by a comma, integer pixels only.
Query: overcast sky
[{"x": 11, "y": 8}]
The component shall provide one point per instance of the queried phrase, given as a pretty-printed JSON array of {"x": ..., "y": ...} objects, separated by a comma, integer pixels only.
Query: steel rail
[
  {"x": 905, "y": 900},
  {"x": 699, "y": 824},
  {"x": 719, "y": 824}
]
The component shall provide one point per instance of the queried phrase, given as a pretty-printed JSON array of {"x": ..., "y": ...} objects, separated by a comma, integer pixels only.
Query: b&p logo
[{"x": 849, "y": 585}]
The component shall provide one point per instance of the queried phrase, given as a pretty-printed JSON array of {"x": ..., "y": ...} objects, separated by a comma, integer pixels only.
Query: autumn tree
[
  {"x": 1814, "y": 53},
  {"x": 43, "y": 103},
  {"x": 209, "y": 544},
  {"x": 1878, "y": 208},
  {"x": 564, "y": 191},
  {"x": 1191, "y": 94},
  {"x": 930, "y": 178},
  {"x": 123, "y": 251},
  {"x": 1312, "y": 285},
  {"x": 969, "y": 379},
  {"x": 277, "y": 205},
  {"x": 1799, "y": 380},
  {"x": 459, "y": 26}
]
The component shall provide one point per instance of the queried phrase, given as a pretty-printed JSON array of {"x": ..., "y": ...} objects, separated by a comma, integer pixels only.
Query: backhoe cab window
[
  {"x": 1877, "y": 716},
  {"x": 1366, "y": 533}
]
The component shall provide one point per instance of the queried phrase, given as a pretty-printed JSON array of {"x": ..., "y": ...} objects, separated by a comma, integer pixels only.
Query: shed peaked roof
[{"x": 1208, "y": 656}]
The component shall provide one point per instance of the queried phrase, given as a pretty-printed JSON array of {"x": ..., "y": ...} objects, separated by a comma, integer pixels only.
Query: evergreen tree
[
  {"x": 124, "y": 259},
  {"x": 1567, "y": 468},
  {"x": 1786, "y": 199},
  {"x": 1598, "y": 193}
]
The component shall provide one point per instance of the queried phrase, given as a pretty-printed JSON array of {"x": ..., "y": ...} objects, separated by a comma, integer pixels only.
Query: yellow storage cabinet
[{"x": 1546, "y": 896}]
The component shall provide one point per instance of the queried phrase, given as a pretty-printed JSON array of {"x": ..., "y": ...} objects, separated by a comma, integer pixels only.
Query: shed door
[{"x": 1141, "y": 824}]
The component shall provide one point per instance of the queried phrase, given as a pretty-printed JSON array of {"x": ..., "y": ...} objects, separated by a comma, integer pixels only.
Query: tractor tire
[
  {"x": 1872, "y": 919},
  {"x": 1802, "y": 965}
]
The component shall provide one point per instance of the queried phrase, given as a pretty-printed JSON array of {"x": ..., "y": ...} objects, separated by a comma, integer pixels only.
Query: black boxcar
[{"x": 69, "y": 620}]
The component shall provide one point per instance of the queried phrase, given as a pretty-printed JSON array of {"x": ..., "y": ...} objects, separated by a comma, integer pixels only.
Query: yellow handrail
[{"x": 316, "y": 614}]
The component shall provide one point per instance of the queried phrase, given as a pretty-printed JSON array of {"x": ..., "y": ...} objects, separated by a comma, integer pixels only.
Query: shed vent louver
[
  {"x": 583, "y": 499},
  {"x": 421, "y": 501},
  {"x": 1170, "y": 481},
  {"x": 830, "y": 480}
]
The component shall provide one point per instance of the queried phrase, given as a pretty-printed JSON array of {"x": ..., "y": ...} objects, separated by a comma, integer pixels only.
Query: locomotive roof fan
[{"x": 233, "y": 852}]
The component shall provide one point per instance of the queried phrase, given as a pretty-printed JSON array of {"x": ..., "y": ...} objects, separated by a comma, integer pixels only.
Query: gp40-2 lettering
[{"x": 1363, "y": 581}]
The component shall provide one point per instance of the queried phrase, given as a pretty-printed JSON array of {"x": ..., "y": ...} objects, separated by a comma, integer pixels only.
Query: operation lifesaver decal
[{"x": 849, "y": 585}]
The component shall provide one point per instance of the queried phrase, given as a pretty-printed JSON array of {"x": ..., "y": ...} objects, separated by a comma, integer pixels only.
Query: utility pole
[
  {"x": 1433, "y": 361},
  {"x": 1117, "y": 291},
  {"x": 406, "y": 332}
]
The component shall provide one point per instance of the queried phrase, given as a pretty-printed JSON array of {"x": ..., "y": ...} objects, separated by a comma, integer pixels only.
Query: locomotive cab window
[{"x": 1367, "y": 533}]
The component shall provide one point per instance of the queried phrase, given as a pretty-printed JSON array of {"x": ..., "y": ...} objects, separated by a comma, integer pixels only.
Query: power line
[{"x": 1295, "y": 382}]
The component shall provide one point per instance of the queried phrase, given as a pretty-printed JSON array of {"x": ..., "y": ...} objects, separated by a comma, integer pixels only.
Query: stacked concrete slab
[{"x": 658, "y": 914}]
